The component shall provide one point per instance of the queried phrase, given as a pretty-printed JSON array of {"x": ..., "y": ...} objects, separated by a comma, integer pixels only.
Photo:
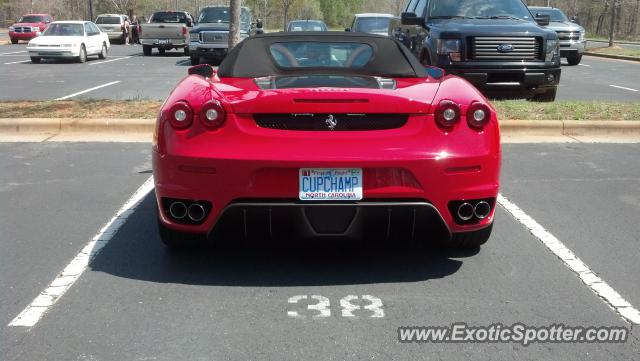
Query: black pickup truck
[{"x": 499, "y": 46}]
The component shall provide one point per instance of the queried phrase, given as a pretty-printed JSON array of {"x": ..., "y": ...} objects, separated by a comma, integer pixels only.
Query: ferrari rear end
[{"x": 329, "y": 150}]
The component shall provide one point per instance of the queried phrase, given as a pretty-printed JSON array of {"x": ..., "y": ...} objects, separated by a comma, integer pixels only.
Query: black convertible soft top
[{"x": 252, "y": 57}]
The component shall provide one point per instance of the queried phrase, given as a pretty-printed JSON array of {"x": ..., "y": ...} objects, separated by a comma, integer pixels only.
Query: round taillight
[
  {"x": 447, "y": 113},
  {"x": 212, "y": 115},
  {"x": 180, "y": 115},
  {"x": 478, "y": 115}
]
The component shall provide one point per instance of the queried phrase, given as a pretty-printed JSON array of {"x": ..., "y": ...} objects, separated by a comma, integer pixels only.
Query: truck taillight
[{"x": 184, "y": 30}]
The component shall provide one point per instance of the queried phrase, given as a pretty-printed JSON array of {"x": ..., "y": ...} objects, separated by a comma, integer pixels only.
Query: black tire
[
  {"x": 103, "y": 52},
  {"x": 468, "y": 240},
  {"x": 176, "y": 240},
  {"x": 195, "y": 59},
  {"x": 161, "y": 51},
  {"x": 574, "y": 59},
  {"x": 35, "y": 60},
  {"x": 82, "y": 58},
  {"x": 186, "y": 51},
  {"x": 14, "y": 41},
  {"x": 146, "y": 50},
  {"x": 548, "y": 96}
]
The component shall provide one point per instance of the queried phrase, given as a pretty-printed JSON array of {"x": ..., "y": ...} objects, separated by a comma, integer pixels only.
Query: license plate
[
  {"x": 163, "y": 41},
  {"x": 330, "y": 184}
]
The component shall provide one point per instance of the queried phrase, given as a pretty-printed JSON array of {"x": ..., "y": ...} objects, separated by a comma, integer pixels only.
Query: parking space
[
  {"x": 138, "y": 301},
  {"x": 140, "y": 77}
]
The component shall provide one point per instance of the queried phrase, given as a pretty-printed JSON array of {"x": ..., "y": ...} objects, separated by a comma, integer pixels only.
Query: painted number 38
[{"x": 319, "y": 306}]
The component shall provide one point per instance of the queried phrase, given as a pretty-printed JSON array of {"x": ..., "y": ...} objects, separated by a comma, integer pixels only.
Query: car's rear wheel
[
  {"x": 35, "y": 60},
  {"x": 548, "y": 96},
  {"x": 195, "y": 59},
  {"x": 161, "y": 51},
  {"x": 103, "y": 52},
  {"x": 186, "y": 51},
  {"x": 82, "y": 57},
  {"x": 574, "y": 59},
  {"x": 466, "y": 240},
  {"x": 176, "y": 240},
  {"x": 14, "y": 41},
  {"x": 146, "y": 50}
]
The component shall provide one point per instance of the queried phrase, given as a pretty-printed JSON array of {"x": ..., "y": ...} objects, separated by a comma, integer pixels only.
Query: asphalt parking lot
[
  {"x": 136, "y": 301},
  {"x": 126, "y": 74}
]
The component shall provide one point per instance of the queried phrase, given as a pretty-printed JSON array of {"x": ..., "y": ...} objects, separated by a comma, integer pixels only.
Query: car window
[
  {"x": 64, "y": 29},
  {"x": 87, "y": 29},
  {"x": 554, "y": 14},
  {"x": 315, "y": 54},
  {"x": 478, "y": 9},
  {"x": 94, "y": 29},
  {"x": 30, "y": 19},
  {"x": 411, "y": 6},
  {"x": 168, "y": 17},
  {"x": 113, "y": 20},
  {"x": 420, "y": 7},
  {"x": 372, "y": 25}
]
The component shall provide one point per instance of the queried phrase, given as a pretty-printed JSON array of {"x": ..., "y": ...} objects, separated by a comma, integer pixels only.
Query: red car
[
  {"x": 28, "y": 27},
  {"x": 325, "y": 135}
]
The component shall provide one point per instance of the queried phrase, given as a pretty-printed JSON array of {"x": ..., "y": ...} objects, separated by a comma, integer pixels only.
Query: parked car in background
[
  {"x": 28, "y": 27},
  {"x": 69, "y": 40},
  {"x": 166, "y": 30},
  {"x": 496, "y": 45},
  {"x": 571, "y": 35},
  {"x": 371, "y": 23},
  {"x": 209, "y": 39},
  {"x": 113, "y": 26},
  {"x": 306, "y": 25},
  {"x": 325, "y": 136}
]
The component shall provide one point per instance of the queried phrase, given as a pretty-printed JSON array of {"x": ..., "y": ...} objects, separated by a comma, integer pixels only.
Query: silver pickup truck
[
  {"x": 209, "y": 39},
  {"x": 166, "y": 30}
]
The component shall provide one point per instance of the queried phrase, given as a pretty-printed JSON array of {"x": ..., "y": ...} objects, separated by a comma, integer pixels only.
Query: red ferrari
[{"x": 325, "y": 135}]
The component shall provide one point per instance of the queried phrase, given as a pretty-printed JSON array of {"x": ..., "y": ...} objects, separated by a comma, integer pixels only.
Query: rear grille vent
[
  {"x": 505, "y": 48},
  {"x": 331, "y": 122}
]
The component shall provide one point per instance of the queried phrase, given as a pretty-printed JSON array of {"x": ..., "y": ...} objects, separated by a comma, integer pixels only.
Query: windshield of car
[
  {"x": 31, "y": 19},
  {"x": 317, "y": 54},
  {"x": 478, "y": 9},
  {"x": 168, "y": 17},
  {"x": 222, "y": 16},
  {"x": 108, "y": 20},
  {"x": 64, "y": 30},
  {"x": 307, "y": 26},
  {"x": 554, "y": 14},
  {"x": 372, "y": 25}
]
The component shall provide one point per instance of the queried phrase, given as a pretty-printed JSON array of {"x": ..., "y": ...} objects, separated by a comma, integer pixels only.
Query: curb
[
  {"x": 629, "y": 128},
  {"x": 610, "y": 56},
  {"x": 623, "y": 42}
]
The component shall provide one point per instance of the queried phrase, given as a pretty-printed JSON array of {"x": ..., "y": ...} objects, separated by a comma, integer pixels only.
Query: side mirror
[
  {"x": 259, "y": 24},
  {"x": 411, "y": 19},
  {"x": 543, "y": 19},
  {"x": 189, "y": 23},
  {"x": 204, "y": 70},
  {"x": 574, "y": 20},
  {"x": 435, "y": 72}
]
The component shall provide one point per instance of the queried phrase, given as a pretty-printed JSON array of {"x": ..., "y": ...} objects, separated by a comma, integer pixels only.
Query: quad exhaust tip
[
  {"x": 196, "y": 212},
  {"x": 465, "y": 211},
  {"x": 178, "y": 210},
  {"x": 482, "y": 210}
]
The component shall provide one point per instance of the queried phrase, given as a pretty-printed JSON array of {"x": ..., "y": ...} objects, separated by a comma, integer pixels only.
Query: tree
[
  {"x": 234, "y": 23},
  {"x": 286, "y": 5}
]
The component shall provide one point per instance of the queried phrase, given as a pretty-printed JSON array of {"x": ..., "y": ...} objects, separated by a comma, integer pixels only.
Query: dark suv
[{"x": 496, "y": 45}]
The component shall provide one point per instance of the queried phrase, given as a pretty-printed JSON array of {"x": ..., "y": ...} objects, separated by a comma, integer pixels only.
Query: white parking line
[
  {"x": 72, "y": 272},
  {"x": 15, "y": 52},
  {"x": 625, "y": 88},
  {"x": 18, "y": 62},
  {"x": 588, "y": 277},
  {"x": 585, "y": 65},
  {"x": 108, "y": 61},
  {"x": 87, "y": 90}
]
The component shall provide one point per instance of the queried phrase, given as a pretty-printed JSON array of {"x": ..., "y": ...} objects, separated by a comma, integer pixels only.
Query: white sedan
[{"x": 69, "y": 39}]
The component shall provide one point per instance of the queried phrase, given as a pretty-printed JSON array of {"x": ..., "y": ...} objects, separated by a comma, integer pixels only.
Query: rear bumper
[
  {"x": 420, "y": 169},
  {"x": 172, "y": 43}
]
